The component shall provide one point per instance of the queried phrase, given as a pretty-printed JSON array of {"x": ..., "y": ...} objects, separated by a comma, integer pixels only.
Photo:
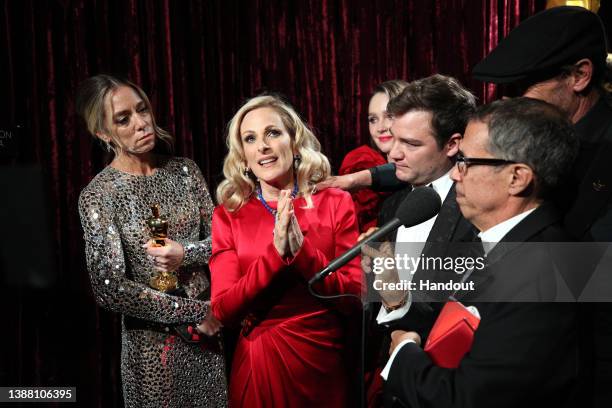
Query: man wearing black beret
[{"x": 559, "y": 56}]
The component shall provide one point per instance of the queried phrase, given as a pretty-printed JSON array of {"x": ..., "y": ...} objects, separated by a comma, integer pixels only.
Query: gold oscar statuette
[{"x": 158, "y": 226}]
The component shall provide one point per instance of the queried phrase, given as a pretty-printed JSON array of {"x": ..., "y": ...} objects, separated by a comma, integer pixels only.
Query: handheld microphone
[{"x": 421, "y": 204}]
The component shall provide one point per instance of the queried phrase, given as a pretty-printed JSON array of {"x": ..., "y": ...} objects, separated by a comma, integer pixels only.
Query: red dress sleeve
[
  {"x": 367, "y": 202},
  {"x": 232, "y": 290}
]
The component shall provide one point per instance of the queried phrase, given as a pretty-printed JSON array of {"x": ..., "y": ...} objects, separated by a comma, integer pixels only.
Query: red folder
[{"x": 452, "y": 335}]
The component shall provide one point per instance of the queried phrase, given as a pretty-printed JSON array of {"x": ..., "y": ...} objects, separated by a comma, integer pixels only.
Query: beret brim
[{"x": 542, "y": 44}]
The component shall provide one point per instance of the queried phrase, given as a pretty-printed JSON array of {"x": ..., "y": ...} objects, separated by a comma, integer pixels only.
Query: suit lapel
[
  {"x": 389, "y": 208},
  {"x": 448, "y": 218},
  {"x": 443, "y": 233},
  {"x": 524, "y": 231},
  {"x": 450, "y": 226},
  {"x": 541, "y": 218}
]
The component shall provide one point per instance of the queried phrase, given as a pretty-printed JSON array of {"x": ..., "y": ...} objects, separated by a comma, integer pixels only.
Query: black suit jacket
[
  {"x": 450, "y": 226},
  {"x": 589, "y": 215},
  {"x": 590, "y": 219},
  {"x": 524, "y": 354}
]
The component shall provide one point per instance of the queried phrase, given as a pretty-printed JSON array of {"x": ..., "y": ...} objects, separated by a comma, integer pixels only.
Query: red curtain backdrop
[{"x": 198, "y": 61}]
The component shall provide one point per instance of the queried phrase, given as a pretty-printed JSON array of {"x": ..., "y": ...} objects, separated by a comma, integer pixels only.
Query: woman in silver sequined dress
[{"x": 158, "y": 368}]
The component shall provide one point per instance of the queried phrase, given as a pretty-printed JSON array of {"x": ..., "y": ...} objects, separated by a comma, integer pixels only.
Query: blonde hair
[
  {"x": 238, "y": 186},
  {"x": 91, "y": 106}
]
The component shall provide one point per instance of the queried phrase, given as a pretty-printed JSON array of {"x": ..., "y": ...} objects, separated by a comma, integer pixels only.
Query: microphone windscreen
[{"x": 420, "y": 204}]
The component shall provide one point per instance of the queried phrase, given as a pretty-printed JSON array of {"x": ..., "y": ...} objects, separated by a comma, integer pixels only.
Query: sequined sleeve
[
  {"x": 198, "y": 252},
  {"x": 106, "y": 263}
]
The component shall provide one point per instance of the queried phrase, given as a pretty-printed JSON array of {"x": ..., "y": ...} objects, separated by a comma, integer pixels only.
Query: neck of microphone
[
  {"x": 419, "y": 206},
  {"x": 356, "y": 250}
]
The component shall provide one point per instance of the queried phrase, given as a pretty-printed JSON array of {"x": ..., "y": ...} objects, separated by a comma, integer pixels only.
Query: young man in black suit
[
  {"x": 513, "y": 153},
  {"x": 429, "y": 118}
]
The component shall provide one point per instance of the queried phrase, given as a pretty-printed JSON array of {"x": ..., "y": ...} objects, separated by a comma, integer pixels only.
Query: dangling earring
[
  {"x": 297, "y": 159},
  {"x": 247, "y": 172},
  {"x": 108, "y": 147}
]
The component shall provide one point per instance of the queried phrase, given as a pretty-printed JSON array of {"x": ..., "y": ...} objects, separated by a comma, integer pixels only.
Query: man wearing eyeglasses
[
  {"x": 559, "y": 56},
  {"x": 513, "y": 154}
]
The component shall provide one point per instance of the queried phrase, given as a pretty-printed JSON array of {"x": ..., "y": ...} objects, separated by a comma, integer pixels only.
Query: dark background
[{"x": 197, "y": 61}]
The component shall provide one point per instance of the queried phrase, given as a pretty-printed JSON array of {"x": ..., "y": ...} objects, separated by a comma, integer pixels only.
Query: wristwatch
[{"x": 401, "y": 304}]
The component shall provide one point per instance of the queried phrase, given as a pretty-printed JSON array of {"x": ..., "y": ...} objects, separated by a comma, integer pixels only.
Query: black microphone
[{"x": 421, "y": 204}]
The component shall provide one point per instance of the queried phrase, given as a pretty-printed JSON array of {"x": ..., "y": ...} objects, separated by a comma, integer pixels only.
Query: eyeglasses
[{"x": 464, "y": 162}]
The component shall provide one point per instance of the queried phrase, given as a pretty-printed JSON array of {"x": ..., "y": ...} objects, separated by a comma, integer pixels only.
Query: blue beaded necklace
[{"x": 267, "y": 206}]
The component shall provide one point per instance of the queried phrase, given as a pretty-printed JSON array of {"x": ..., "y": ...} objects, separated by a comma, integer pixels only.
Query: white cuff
[{"x": 385, "y": 372}]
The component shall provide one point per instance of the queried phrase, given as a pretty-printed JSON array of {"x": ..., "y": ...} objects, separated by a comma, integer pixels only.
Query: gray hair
[{"x": 532, "y": 132}]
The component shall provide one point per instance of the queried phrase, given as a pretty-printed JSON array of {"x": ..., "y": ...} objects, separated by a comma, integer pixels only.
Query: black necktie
[{"x": 476, "y": 248}]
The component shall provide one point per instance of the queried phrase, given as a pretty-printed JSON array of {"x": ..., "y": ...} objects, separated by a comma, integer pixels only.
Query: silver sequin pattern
[{"x": 157, "y": 369}]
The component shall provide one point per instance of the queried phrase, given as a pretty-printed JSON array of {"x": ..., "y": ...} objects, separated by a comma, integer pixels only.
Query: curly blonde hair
[{"x": 239, "y": 185}]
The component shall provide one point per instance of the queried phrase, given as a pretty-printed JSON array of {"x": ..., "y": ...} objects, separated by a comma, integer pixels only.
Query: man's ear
[
  {"x": 582, "y": 75},
  {"x": 452, "y": 146},
  {"x": 522, "y": 177}
]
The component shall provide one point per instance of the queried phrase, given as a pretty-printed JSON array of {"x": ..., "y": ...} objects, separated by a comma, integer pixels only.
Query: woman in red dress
[
  {"x": 270, "y": 236},
  {"x": 368, "y": 202}
]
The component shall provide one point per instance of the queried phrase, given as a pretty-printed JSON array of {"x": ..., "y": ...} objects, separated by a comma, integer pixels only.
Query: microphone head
[{"x": 421, "y": 204}]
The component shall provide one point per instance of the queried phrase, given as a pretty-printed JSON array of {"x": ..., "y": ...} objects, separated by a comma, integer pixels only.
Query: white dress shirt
[
  {"x": 493, "y": 235},
  {"x": 416, "y": 234}
]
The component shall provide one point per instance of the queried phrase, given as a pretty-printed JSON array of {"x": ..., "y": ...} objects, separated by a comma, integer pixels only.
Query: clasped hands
[{"x": 288, "y": 237}]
